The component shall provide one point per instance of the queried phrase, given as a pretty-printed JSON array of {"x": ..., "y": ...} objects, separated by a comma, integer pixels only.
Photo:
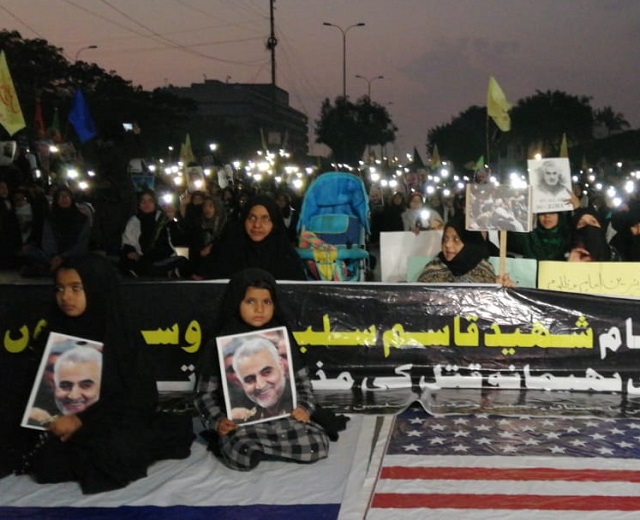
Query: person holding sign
[
  {"x": 463, "y": 259},
  {"x": 108, "y": 431},
  {"x": 250, "y": 305}
]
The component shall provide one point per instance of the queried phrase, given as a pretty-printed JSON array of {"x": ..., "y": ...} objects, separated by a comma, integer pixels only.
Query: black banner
[{"x": 404, "y": 339}]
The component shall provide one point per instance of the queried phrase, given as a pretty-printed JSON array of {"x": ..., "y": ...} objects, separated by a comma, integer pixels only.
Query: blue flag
[{"x": 80, "y": 118}]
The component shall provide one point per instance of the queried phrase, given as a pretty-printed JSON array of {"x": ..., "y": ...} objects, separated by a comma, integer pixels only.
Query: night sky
[{"x": 436, "y": 56}]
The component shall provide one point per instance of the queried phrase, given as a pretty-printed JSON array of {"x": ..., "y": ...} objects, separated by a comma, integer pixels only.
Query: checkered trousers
[{"x": 283, "y": 438}]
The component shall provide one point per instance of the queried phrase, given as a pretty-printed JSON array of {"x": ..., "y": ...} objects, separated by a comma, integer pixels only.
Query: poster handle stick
[{"x": 503, "y": 253}]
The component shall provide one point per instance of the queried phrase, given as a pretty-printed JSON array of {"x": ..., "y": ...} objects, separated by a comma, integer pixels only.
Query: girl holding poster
[
  {"x": 250, "y": 305},
  {"x": 106, "y": 431}
]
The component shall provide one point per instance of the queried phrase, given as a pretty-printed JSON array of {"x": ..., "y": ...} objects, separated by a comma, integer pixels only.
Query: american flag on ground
[{"x": 482, "y": 466}]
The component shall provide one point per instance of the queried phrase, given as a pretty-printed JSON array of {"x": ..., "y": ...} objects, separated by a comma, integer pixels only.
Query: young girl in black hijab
[
  {"x": 295, "y": 437},
  {"x": 114, "y": 440},
  {"x": 259, "y": 240}
]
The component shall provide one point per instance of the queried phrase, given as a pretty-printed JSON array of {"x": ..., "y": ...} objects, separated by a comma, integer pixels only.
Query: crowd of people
[{"x": 104, "y": 429}]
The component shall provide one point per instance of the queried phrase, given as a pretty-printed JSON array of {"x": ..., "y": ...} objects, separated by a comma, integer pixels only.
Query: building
[{"x": 257, "y": 115}]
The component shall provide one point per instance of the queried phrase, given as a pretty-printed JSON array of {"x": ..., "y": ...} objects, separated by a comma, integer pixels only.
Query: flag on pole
[
  {"x": 497, "y": 106},
  {"x": 435, "y": 157},
  {"x": 38, "y": 119},
  {"x": 80, "y": 118},
  {"x": 481, "y": 466},
  {"x": 564, "y": 148},
  {"x": 418, "y": 163},
  {"x": 11, "y": 117},
  {"x": 477, "y": 165},
  {"x": 186, "y": 153},
  {"x": 54, "y": 130},
  {"x": 263, "y": 141}
]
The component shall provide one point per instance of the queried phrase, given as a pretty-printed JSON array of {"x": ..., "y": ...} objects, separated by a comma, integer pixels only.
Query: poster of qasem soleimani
[
  {"x": 257, "y": 375},
  {"x": 550, "y": 181},
  {"x": 490, "y": 207},
  {"x": 68, "y": 380}
]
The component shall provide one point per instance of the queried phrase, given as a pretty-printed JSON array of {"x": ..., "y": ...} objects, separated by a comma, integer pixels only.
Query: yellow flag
[
  {"x": 10, "y": 112},
  {"x": 186, "y": 153},
  {"x": 564, "y": 148},
  {"x": 498, "y": 106},
  {"x": 435, "y": 157},
  {"x": 585, "y": 164}
]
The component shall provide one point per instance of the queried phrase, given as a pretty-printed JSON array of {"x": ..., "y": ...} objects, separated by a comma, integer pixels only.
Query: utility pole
[{"x": 272, "y": 41}]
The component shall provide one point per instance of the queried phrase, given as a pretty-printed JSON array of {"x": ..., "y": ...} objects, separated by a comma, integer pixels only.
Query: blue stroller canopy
[{"x": 335, "y": 193}]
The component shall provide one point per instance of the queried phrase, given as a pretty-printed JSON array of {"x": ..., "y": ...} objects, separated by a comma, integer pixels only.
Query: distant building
[{"x": 260, "y": 112}]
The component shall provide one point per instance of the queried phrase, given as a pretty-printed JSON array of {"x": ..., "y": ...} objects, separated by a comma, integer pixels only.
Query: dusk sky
[{"x": 436, "y": 56}]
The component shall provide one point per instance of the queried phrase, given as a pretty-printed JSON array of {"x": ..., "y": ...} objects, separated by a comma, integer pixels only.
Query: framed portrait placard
[
  {"x": 257, "y": 375},
  {"x": 68, "y": 380},
  {"x": 550, "y": 181}
]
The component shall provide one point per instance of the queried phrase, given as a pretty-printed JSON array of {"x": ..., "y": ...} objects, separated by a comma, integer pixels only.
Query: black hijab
[
  {"x": 274, "y": 253},
  {"x": 126, "y": 381},
  {"x": 591, "y": 238},
  {"x": 230, "y": 321},
  {"x": 473, "y": 251},
  {"x": 66, "y": 222}
]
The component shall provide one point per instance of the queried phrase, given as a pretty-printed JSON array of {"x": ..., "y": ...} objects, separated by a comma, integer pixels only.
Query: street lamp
[
  {"x": 344, "y": 51},
  {"x": 369, "y": 81},
  {"x": 83, "y": 49}
]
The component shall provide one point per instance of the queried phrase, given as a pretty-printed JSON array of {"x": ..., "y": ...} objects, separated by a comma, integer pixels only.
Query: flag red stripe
[
  {"x": 452, "y": 473},
  {"x": 537, "y": 502}
]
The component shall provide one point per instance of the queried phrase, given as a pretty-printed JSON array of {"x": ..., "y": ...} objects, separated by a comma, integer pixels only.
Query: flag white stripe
[
  {"x": 474, "y": 461},
  {"x": 508, "y": 487}
]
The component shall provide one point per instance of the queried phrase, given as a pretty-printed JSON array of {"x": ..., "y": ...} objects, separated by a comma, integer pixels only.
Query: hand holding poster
[
  {"x": 68, "y": 380},
  {"x": 257, "y": 375}
]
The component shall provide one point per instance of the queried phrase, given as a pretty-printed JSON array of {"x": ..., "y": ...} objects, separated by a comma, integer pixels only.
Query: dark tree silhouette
[{"x": 347, "y": 128}]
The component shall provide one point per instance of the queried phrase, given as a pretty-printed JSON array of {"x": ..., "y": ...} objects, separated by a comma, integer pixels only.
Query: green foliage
[{"x": 347, "y": 128}]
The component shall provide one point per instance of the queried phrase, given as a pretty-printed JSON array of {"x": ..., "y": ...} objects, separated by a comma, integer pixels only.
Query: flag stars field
[{"x": 526, "y": 465}]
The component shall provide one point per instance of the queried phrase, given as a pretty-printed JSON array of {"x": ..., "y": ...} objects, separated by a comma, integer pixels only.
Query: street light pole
[
  {"x": 369, "y": 81},
  {"x": 344, "y": 51},
  {"x": 82, "y": 49}
]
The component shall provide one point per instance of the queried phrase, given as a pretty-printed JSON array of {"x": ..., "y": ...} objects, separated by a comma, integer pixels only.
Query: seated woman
[
  {"x": 147, "y": 248},
  {"x": 588, "y": 239},
  {"x": 259, "y": 240},
  {"x": 205, "y": 233},
  {"x": 463, "y": 259},
  {"x": 413, "y": 218},
  {"x": 548, "y": 241},
  {"x": 65, "y": 234},
  {"x": 106, "y": 441},
  {"x": 627, "y": 238},
  {"x": 251, "y": 304}
]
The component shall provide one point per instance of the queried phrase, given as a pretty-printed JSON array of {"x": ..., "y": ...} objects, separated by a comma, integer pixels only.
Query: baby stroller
[{"x": 334, "y": 222}]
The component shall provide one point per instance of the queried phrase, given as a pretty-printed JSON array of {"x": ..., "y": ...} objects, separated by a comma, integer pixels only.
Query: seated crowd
[{"x": 222, "y": 231}]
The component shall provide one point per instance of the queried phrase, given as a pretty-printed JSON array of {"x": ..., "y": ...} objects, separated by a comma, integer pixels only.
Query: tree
[
  {"x": 543, "y": 118},
  {"x": 463, "y": 139},
  {"x": 40, "y": 70},
  {"x": 348, "y": 128},
  {"x": 611, "y": 120}
]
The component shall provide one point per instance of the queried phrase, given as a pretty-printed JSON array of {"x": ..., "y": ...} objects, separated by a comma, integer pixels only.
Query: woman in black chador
[
  {"x": 110, "y": 443},
  {"x": 259, "y": 240}
]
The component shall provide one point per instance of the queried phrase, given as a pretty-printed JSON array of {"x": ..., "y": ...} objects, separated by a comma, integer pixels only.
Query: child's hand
[
  {"x": 65, "y": 426},
  {"x": 300, "y": 415},
  {"x": 226, "y": 426}
]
